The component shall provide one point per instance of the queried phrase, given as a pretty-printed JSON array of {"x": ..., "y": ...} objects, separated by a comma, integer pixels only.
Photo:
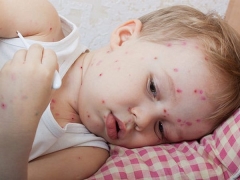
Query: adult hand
[{"x": 25, "y": 91}]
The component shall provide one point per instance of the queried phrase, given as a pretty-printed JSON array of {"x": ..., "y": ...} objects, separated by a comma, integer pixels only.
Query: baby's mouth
[{"x": 115, "y": 127}]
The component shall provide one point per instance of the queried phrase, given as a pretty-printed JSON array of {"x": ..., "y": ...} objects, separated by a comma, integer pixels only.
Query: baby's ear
[{"x": 128, "y": 30}]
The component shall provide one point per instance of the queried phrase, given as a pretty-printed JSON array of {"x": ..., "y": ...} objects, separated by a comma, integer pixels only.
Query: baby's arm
[
  {"x": 25, "y": 91},
  {"x": 35, "y": 19},
  {"x": 72, "y": 163}
]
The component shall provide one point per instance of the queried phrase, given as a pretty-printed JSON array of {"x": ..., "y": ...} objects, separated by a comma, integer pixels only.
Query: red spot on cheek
[
  {"x": 203, "y": 98},
  {"x": 3, "y": 106},
  {"x": 57, "y": 114},
  {"x": 103, "y": 102},
  {"x": 206, "y": 58},
  {"x": 88, "y": 116},
  {"x": 165, "y": 111}
]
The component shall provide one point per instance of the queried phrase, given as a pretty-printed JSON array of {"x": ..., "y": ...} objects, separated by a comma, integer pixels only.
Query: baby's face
[{"x": 142, "y": 94}]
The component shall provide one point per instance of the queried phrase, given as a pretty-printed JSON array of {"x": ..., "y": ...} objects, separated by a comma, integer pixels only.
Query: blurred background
[{"x": 96, "y": 19}]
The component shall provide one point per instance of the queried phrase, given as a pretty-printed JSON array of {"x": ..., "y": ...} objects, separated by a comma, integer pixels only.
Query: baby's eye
[{"x": 152, "y": 88}]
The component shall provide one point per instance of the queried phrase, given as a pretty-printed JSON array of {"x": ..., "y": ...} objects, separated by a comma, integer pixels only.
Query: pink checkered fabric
[{"x": 216, "y": 156}]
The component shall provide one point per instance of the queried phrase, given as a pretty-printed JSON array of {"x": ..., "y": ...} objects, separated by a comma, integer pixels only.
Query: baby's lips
[{"x": 111, "y": 127}]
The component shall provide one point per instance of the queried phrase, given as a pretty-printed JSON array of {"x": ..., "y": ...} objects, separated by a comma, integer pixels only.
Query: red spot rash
[
  {"x": 24, "y": 97},
  {"x": 116, "y": 61},
  {"x": 13, "y": 77},
  {"x": 57, "y": 114},
  {"x": 184, "y": 43},
  {"x": 103, "y": 102},
  {"x": 198, "y": 120},
  {"x": 88, "y": 116},
  {"x": 179, "y": 120},
  {"x": 175, "y": 70},
  {"x": 206, "y": 58},
  {"x": 155, "y": 58},
  {"x": 99, "y": 62},
  {"x": 169, "y": 44},
  {"x": 100, "y": 74},
  {"x": 50, "y": 28},
  {"x": 53, "y": 101},
  {"x": 3, "y": 106},
  {"x": 188, "y": 123},
  {"x": 179, "y": 91},
  {"x": 165, "y": 111},
  {"x": 203, "y": 98}
]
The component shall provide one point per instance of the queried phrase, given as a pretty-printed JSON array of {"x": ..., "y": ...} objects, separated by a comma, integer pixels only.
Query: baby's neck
[{"x": 64, "y": 105}]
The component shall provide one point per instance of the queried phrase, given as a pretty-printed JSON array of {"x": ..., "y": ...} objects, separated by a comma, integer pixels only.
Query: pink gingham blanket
[{"x": 216, "y": 156}]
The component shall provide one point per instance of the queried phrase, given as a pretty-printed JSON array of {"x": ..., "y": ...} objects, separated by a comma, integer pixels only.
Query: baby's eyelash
[{"x": 152, "y": 88}]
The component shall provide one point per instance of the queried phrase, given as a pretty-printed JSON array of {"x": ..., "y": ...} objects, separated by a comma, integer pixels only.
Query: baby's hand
[{"x": 26, "y": 84}]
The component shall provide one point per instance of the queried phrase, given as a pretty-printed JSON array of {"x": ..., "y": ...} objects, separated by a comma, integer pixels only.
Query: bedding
[{"x": 216, "y": 156}]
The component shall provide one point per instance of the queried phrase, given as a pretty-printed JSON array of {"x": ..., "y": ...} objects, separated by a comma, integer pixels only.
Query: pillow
[{"x": 216, "y": 156}]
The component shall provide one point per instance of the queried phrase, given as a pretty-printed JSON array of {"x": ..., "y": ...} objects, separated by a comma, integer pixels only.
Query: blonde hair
[{"x": 220, "y": 43}]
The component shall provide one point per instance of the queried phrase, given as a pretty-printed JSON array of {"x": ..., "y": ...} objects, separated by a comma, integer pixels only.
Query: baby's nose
[{"x": 142, "y": 117}]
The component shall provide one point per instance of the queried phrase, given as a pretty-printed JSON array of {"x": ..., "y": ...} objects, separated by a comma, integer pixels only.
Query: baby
[{"x": 169, "y": 76}]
